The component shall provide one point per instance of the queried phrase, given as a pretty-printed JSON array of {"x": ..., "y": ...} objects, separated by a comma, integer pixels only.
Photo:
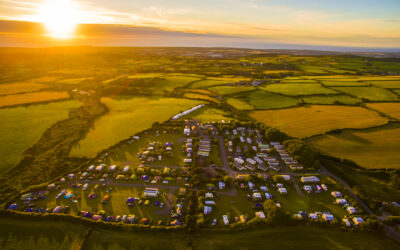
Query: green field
[
  {"x": 369, "y": 148},
  {"x": 209, "y": 115},
  {"x": 229, "y": 90},
  {"x": 24, "y": 127},
  {"x": 331, "y": 99},
  {"x": 369, "y": 93},
  {"x": 296, "y": 89},
  {"x": 318, "y": 119},
  {"x": 239, "y": 104},
  {"x": 265, "y": 100},
  {"x": 208, "y": 83},
  {"x": 128, "y": 116},
  {"x": 387, "y": 84},
  {"x": 343, "y": 82},
  {"x": 391, "y": 109}
]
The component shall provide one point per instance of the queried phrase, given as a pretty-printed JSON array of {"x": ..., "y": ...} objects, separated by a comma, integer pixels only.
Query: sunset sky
[{"x": 239, "y": 23}]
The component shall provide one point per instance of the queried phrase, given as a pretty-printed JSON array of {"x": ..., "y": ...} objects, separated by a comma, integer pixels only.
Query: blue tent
[
  {"x": 130, "y": 199},
  {"x": 13, "y": 206}
]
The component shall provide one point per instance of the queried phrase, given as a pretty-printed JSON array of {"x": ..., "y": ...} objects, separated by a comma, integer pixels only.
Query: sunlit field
[
  {"x": 317, "y": 119},
  {"x": 128, "y": 116},
  {"x": 24, "y": 127},
  {"x": 371, "y": 148}
]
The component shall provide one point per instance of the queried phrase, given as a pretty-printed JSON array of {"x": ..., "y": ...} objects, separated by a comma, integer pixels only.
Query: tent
[{"x": 130, "y": 199}]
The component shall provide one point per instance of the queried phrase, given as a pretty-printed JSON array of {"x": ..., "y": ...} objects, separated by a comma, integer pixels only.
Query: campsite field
[
  {"x": 25, "y": 125},
  {"x": 318, "y": 119},
  {"x": 117, "y": 204},
  {"x": 128, "y": 116},
  {"x": 34, "y": 97},
  {"x": 127, "y": 153},
  {"x": 369, "y": 148}
]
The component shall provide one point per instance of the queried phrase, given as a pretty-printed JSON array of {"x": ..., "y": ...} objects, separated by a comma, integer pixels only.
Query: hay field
[
  {"x": 34, "y": 97},
  {"x": 311, "y": 120},
  {"x": 391, "y": 109},
  {"x": 370, "y": 148},
  {"x": 20, "y": 87}
]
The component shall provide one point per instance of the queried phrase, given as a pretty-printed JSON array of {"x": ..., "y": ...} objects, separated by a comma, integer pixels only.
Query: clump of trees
[{"x": 302, "y": 153}]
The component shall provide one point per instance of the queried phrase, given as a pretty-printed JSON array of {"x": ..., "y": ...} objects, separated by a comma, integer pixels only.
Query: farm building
[{"x": 307, "y": 179}]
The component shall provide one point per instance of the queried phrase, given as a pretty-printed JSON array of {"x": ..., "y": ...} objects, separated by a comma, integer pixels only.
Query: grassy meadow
[
  {"x": 265, "y": 100},
  {"x": 128, "y": 116},
  {"x": 296, "y": 89},
  {"x": 369, "y": 93},
  {"x": 24, "y": 127}
]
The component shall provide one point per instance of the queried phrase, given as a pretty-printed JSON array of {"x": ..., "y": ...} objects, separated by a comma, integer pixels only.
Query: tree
[
  {"x": 270, "y": 209},
  {"x": 274, "y": 134}
]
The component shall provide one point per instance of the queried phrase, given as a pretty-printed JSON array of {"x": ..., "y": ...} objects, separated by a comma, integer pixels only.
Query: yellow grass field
[
  {"x": 20, "y": 87},
  {"x": 311, "y": 120},
  {"x": 201, "y": 97},
  {"x": 35, "y": 97},
  {"x": 370, "y": 148},
  {"x": 391, "y": 109}
]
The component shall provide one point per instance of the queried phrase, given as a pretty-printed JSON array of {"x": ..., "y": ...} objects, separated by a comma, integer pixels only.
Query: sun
[{"x": 60, "y": 17}]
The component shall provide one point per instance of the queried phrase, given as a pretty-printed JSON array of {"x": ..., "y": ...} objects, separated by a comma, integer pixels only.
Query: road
[{"x": 226, "y": 167}]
